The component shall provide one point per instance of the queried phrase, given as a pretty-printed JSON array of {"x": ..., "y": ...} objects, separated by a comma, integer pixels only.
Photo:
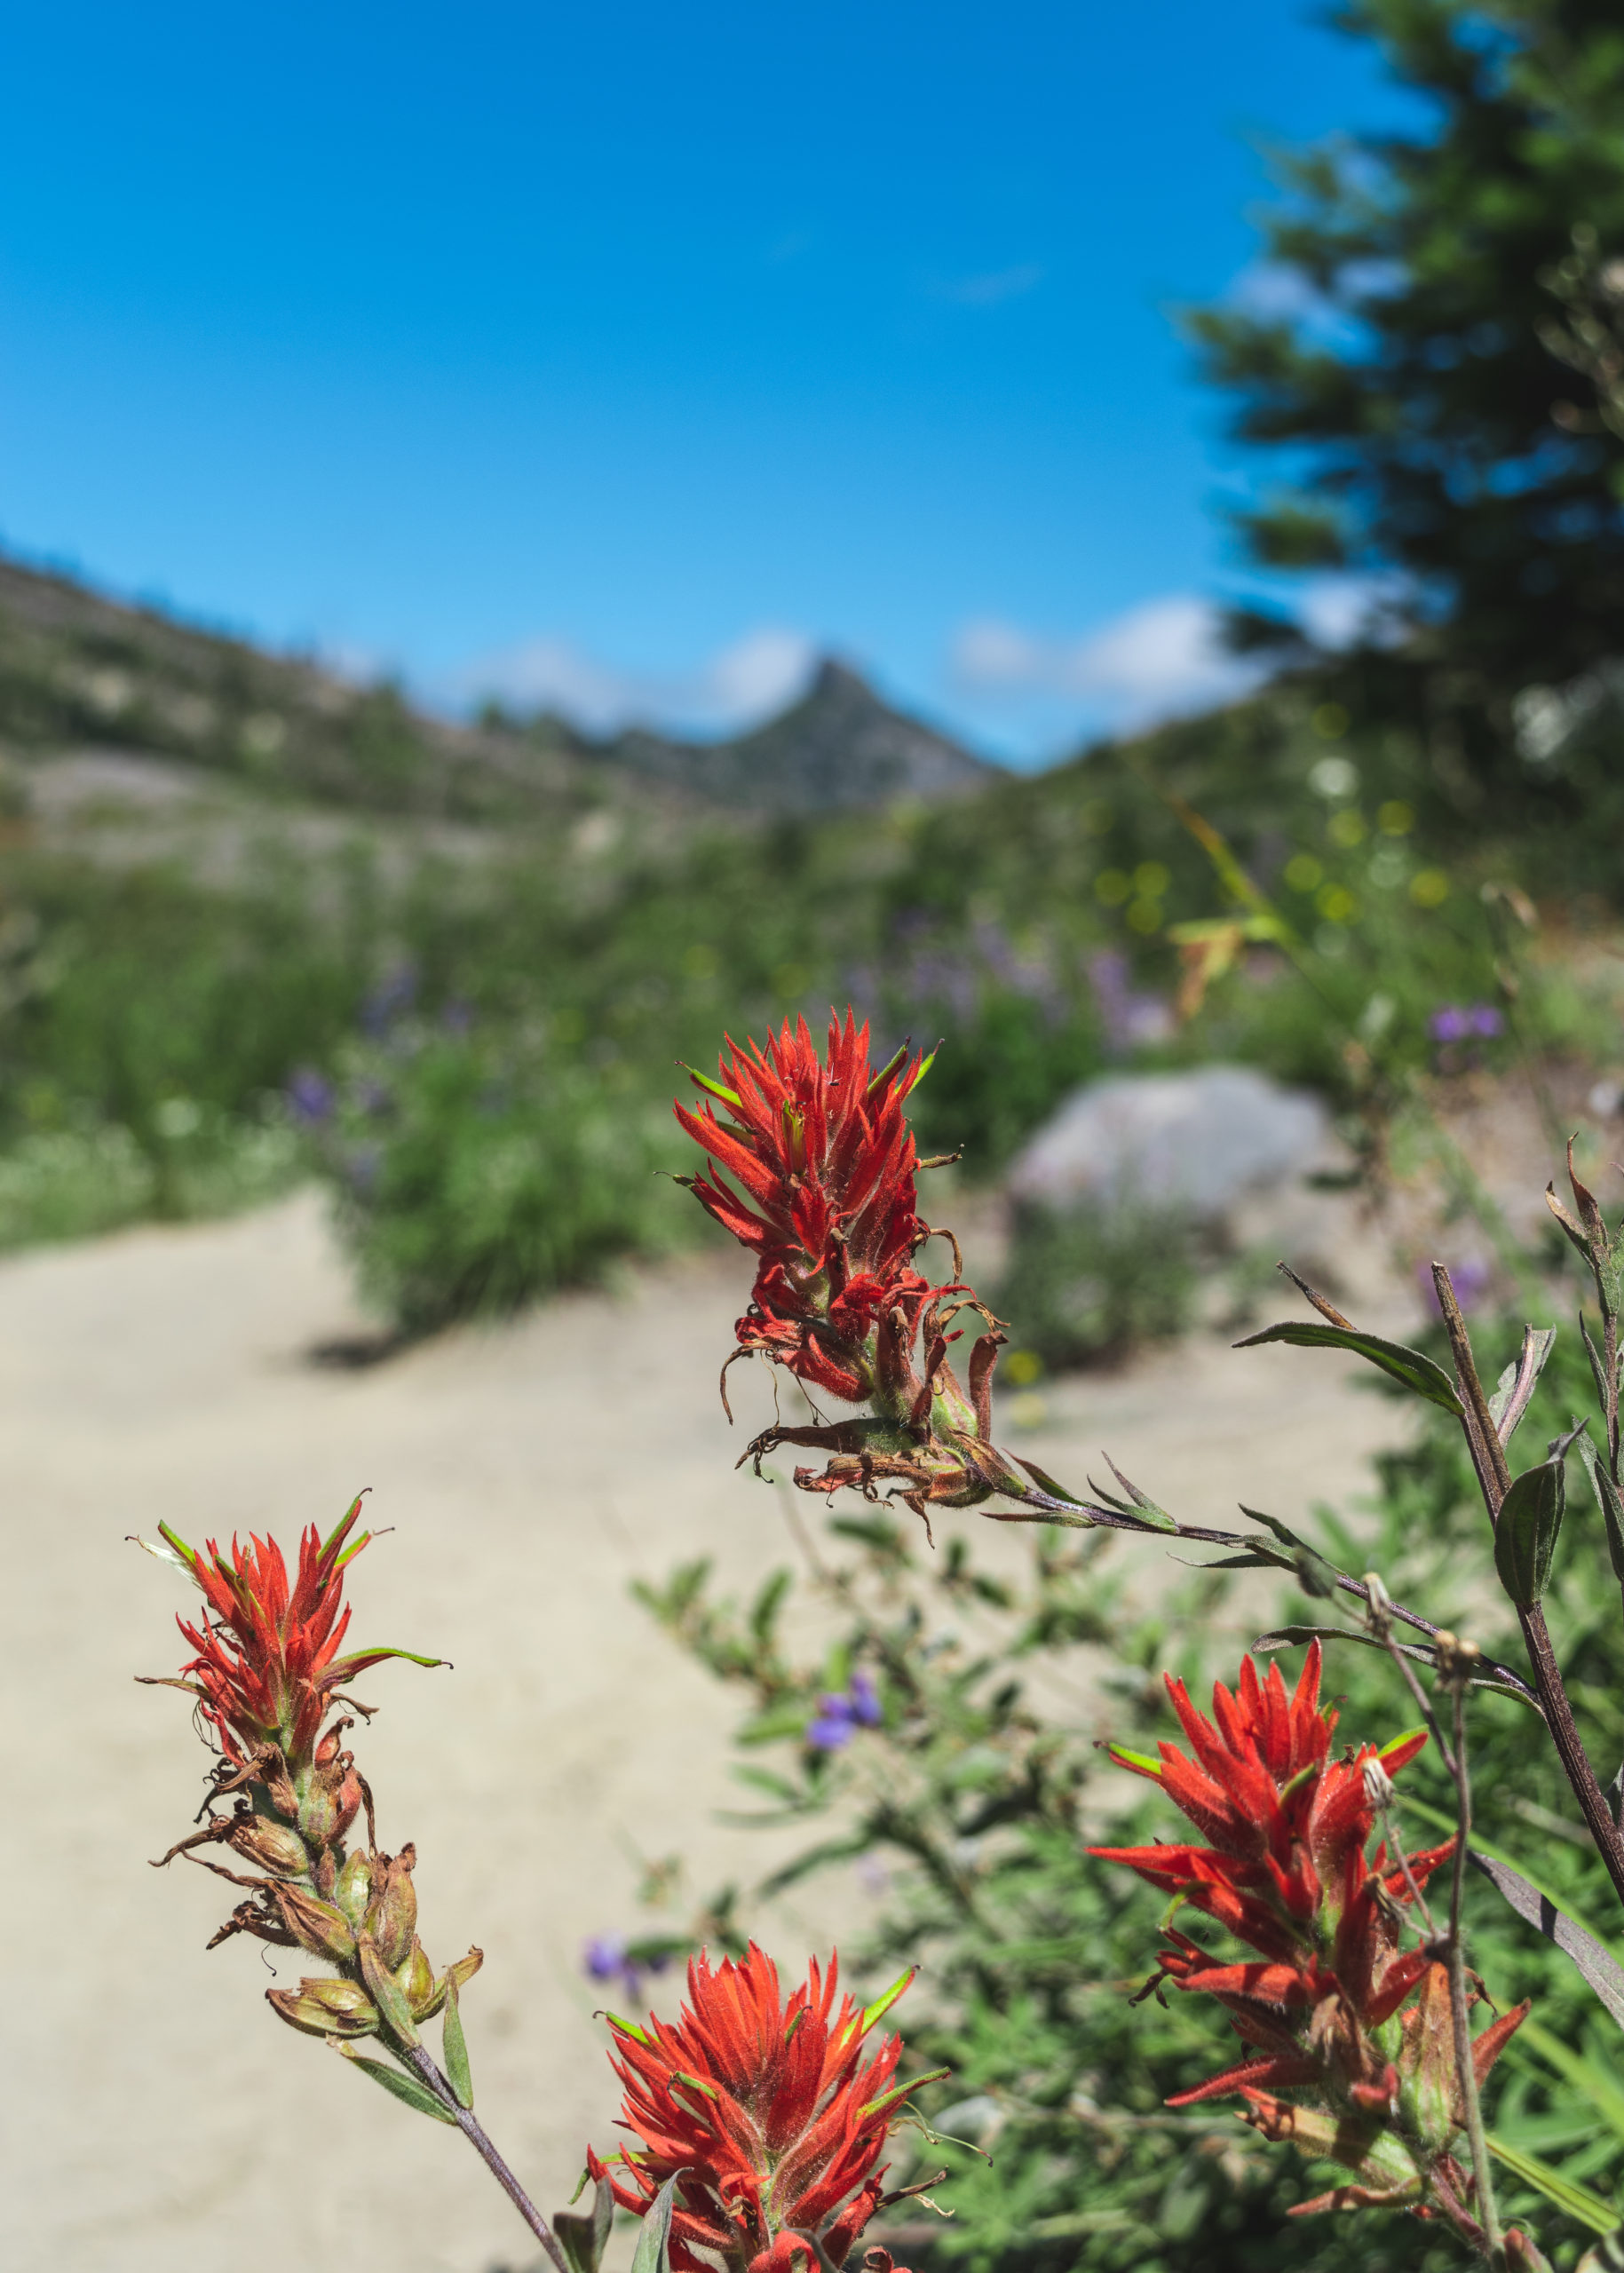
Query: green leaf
[
  {"x": 1412, "y": 1368},
  {"x": 457, "y": 2047},
  {"x": 405, "y": 2088},
  {"x": 1526, "y": 1528},
  {"x": 883, "y": 2004},
  {"x": 582, "y": 2238},
  {"x": 653, "y": 2254},
  {"x": 728, "y": 1096},
  {"x": 386, "y": 1994},
  {"x": 1575, "y": 2202},
  {"x": 1599, "y": 2087},
  {"x": 1608, "y": 1499},
  {"x": 1047, "y": 1483},
  {"x": 1599, "y": 1967},
  {"x": 1314, "y": 1575}
]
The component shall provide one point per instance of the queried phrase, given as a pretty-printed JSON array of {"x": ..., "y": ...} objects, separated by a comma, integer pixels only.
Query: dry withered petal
[{"x": 392, "y": 1914}]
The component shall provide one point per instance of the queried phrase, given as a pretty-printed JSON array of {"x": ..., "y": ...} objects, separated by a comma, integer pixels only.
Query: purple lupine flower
[
  {"x": 1486, "y": 1020},
  {"x": 842, "y": 1710},
  {"x": 1449, "y": 1023},
  {"x": 605, "y": 1957},
  {"x": 830, "y": 1726},
  {"x": 310, "y": 1096}
]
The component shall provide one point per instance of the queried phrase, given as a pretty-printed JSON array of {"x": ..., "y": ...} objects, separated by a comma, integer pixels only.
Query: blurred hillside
[{"x": 78, "y": 669}]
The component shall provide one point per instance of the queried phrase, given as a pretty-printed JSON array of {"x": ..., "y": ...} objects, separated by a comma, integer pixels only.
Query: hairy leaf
[{"x": 1412, "y": 1368}]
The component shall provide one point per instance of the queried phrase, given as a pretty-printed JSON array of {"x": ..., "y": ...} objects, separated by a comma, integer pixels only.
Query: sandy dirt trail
[{"x": 158, "y": 2120}]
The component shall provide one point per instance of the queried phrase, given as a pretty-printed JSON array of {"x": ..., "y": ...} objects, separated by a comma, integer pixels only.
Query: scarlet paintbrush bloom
[
  {"x": 768, "y": 2114},
  {"x": 1320, "y": 2003},
  {"x": 266, "y": 1673},
  {"x": 267, "y": 1667},
  {"x": 826, "y": 1162}
]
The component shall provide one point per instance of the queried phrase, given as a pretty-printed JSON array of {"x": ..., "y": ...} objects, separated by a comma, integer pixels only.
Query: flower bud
[
  {"x": 353, "y": 1889},
  {"x": 319, "y": 1927},
  {"x": 331, "y": 1801},
  {"x": 416, "y": 1977},
  {"x": 272, "y": 1845},
  {"x": 462, "y": 1971},
  {"x": 327, "y": 2008},
  {"x": 391, "y": 1915}
]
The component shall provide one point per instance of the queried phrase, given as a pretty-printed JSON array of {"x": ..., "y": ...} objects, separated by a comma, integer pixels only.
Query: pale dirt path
[{"x": 157, "y": 2119}]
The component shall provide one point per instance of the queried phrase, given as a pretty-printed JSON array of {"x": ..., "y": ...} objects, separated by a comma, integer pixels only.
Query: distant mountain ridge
[
  {"x": 79, "y": 669},
  {"x": 837, "y": 748}
]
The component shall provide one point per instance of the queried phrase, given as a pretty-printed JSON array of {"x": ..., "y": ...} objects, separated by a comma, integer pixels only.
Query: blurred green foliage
[{"x": 1029, "y": 927}]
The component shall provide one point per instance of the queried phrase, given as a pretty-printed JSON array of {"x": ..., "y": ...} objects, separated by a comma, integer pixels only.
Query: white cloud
[
  {"x": 1158, "y": 659},
  {"x": 750, "y": 680}
]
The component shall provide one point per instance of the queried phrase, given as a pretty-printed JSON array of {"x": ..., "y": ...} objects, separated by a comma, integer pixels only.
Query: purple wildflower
[
  {"x": 830, "y": 1726},
  {"x": 842, "y": 1710},
  {"x": 606, "y": 1957},
  {"x": 1454, "y": 1022},
  {"x": 310, "y": 1096}
]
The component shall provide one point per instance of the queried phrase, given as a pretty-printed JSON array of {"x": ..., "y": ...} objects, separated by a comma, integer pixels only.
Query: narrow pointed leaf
[
  {"x": 1598, "y": 1966},
  {"x": 386, "y": 1994},
  {"x": 653, "y": 2254},
  {"x": 1574, "y": 2201},
  {"x": 1047, "y": 1483},
  {"x": 882, "y": 2005},
  {"x": 583, "y": 2238},
  {"x": 1598, "y": 2086},
  {"x": 1608, "y": 1499},
  {"x": 1314, "y": 1575},
  {"x": 1413, "y": 1367},
  {"x": 1143, "y": 1506},
  {"x": 457, "y": 2047},
  {"x": 1519, "y": 1380},
  {"x": 716, "y": 1089},
  {"x": 887, "y": 1073},
  {"x": 1597, "y": 1371},
  {"x": 406, "y": 2088}
]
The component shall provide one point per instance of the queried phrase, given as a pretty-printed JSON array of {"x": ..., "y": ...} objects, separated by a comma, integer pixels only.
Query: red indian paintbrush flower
[
  {"x": 1321, "y": 2002},
  {"x": 826, "y": 1161},
  {"x": 767, "y": 2114},
  {"x": 267, "y": 1665}
]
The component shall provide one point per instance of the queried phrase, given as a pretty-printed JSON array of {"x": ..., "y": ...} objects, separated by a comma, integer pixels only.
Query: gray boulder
[{"x": 1205, "y": 1140}]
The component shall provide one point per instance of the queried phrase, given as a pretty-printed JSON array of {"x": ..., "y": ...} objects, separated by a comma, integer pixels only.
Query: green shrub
[
  {"x": 1092, "y": 1281},
  {"x": 476, "y": 1171}
]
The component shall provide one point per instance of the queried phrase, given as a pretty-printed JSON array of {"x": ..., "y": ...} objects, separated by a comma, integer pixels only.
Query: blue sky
[{"x": 624, "y": 356}]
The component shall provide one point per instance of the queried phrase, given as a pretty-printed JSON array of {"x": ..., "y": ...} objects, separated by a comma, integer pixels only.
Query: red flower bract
[
  {"x": 826, "y": 1161},
  {"x": 267, "y": 1664},
  {"x": 1323, "y": 2007},
  {"x": 770, "y": 2113}
]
